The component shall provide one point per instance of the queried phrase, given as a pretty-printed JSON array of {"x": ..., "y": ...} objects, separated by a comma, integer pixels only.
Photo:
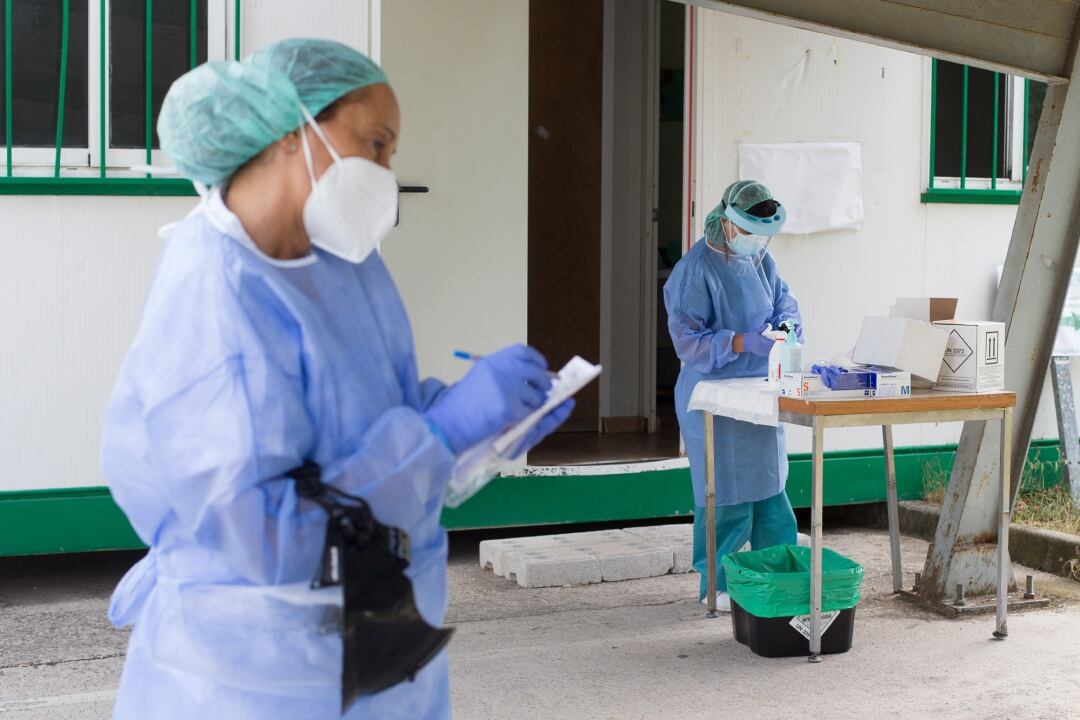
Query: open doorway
[{"x": 606, "y": 196}]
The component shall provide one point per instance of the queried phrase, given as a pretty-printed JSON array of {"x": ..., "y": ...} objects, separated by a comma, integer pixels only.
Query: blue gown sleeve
[{"x": 690, "y": 316}]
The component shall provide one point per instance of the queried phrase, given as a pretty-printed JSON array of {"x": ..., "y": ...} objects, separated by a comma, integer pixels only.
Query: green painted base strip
[
  {"x": 971, "y": 197},
  {"x": 163, "y": 187},
  {"x": 83, "y": 519},
  {"x": 35, "y": 522}
]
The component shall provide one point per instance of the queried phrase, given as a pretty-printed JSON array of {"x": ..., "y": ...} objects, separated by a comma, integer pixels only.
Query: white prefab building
[{"x": 569, "y": 152}]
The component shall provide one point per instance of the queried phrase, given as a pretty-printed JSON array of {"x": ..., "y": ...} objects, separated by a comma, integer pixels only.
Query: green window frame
[
  {"x": 102, "y": 174},
  {"x": 1004, "y": 134}
]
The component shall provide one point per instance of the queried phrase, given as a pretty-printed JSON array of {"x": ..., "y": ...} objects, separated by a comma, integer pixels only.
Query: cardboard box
[
  {"x": 974, "y": 358},
  {"x": 871, "y": 383},
  {"x": 927, "y": 310},
  {"x": 809, "y": 386},
  {"x": 902, "y": 343}
]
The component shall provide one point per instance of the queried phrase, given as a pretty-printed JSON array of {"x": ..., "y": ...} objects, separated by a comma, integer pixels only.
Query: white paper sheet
[
  {"x": 753, "y": 400},
  {"x": 820, "y": 184}
]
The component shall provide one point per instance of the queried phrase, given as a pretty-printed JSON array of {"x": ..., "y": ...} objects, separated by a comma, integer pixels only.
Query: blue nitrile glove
[
  {"x": 501, "y": 389},
  {"x": 758, "y": 344},
  {"x": 828, "y": 373},
  {"x": 547, "y": 425}
]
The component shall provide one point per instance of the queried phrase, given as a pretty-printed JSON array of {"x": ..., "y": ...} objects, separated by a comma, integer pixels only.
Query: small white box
[
  {"x": 902, "y": 343},
  {"x": 974, "y": 359},
  {"x": 880, "y": 383}
]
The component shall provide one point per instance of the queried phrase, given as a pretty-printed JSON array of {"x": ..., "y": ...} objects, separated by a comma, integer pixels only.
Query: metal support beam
[
  {"x": 1065, "y": 405},
  {"x": 1022, "y": 37},
  {"x": 1030, "y": 297}
]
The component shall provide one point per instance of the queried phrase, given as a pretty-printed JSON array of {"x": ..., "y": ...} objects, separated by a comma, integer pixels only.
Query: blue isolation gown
[
  {"x": 243, "y": 368},
  {"x": 712, "y": 297}
]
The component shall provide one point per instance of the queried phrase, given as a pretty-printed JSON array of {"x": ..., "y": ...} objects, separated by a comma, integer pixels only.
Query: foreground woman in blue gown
[{"x": 272, "y": 336}]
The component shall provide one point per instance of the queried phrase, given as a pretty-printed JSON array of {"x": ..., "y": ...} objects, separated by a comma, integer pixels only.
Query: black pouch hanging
[{"x": 385, "y": 639}]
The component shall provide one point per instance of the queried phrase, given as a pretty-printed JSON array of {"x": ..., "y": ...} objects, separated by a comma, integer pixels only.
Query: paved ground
[{"x": 625, "y": 650}]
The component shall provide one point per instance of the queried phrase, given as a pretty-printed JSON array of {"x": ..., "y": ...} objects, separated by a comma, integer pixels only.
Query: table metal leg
[
  {"x": 894, "y": 508},
  {"x": 1003, "y": 560},
  {"x": 817, "y": 501},
  {"x": 710, "y": 515}
]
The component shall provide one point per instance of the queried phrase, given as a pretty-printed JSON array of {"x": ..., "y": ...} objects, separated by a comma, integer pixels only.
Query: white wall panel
[
  {"x": 353, "y": 22},
  {"x": 461, "y": 74},
  {"x": 766, "y": 83},
  {"x": 74, "y": 275}
]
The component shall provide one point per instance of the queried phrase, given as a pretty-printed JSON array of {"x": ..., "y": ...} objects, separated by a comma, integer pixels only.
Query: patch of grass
[
  {"x": 1044, "y": 500},
  {"x": 1050, "y": 508},
  {"x": 935, "y": 479}
]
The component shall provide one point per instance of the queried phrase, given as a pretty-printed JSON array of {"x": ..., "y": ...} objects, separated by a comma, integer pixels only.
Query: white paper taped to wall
[{"x": 820, "y": 184}]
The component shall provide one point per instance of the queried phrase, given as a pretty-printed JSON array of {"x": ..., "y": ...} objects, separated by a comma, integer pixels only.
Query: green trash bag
[{"x": 775, "y": 582}]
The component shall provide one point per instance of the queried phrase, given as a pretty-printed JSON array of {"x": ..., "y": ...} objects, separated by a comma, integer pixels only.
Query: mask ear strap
[
  {"x": 307, "y": 155},
  {"x": 318, "y": 131}
]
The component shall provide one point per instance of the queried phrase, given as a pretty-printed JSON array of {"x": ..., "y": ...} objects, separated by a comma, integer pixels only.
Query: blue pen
[{"x": 472, "y": 357}]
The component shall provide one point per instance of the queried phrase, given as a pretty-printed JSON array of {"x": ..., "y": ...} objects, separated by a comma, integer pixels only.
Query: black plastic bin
[
  {"x": 769, "y": 588},
  {"x": 775, "y": 637}
]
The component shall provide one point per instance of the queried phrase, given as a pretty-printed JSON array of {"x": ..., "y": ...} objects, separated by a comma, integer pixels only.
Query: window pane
[
  {"x": 171, "y": 28},
  {"x": 948, "y": 140},
  {"x": 37, "y": 33},
  {"x": 947, "y": 117},
  {"x": 1036, "y": 95}
]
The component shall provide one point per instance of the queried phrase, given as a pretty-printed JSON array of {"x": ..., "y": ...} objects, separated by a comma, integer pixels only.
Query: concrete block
[
  {"x": 635, "y": 562},
  {"x": 678, "y": 537},
  {"x": 557, "y": 571}
]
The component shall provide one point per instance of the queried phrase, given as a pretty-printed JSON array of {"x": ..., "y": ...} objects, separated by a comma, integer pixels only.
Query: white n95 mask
[{"x": 352, "y": 207}]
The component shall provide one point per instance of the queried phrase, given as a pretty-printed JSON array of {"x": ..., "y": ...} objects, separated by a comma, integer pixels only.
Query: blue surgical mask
[{"x": 746, "y": 245}]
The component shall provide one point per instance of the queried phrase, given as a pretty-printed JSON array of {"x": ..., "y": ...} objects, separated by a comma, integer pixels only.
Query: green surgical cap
[
  {"x": 221, "y": 114},
  {"x": 743, "y": 194},
  {"x": 321, "y": 70}
]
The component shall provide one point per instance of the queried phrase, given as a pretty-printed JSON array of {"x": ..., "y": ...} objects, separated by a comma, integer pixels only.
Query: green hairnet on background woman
[
  {"x": 273, "y": 337},
  {"x": 721, "y": 297}
]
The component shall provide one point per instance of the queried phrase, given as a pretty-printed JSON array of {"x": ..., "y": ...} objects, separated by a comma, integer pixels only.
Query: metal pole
[
  {"x": 62, "y": 91},
  {"x": 193, "y": 34},
  {"x": 236, "y": 29},
  {"x": 1003, "y": 563},
  {"x": 1068, "y": 437},
  {"x": 8, "y": 93},
  {"x": 994, "y": 161},
  {"x": 102, "y": 87},
  {"x": 964, "y": 132},
  {"x": 710, "y": 515},
  {"x": 815, "y": 540},
  {"x": 933, "y": 120},
  {"x": 149, "y": 83},
  {"x": 894, "y": 508}
]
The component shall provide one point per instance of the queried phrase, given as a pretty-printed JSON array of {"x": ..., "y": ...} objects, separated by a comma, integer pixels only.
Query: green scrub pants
[{"x": 764, "y": 523}]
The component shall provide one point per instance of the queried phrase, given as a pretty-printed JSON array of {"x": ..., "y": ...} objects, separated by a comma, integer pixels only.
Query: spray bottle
[{"x": 791, "y": 352}]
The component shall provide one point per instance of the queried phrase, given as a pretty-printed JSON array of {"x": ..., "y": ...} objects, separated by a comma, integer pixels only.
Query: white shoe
[
  {"x": 804, "y": 540},
  {"x": 723, "y": 602}
]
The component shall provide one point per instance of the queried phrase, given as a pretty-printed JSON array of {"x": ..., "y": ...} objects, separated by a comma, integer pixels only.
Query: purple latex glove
[
  {"x": 757, "y": 343},
  {"x": 829, "y": 374},
  {"x": 501, "y": 389},
  {"x": 547, "y": 425}
]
